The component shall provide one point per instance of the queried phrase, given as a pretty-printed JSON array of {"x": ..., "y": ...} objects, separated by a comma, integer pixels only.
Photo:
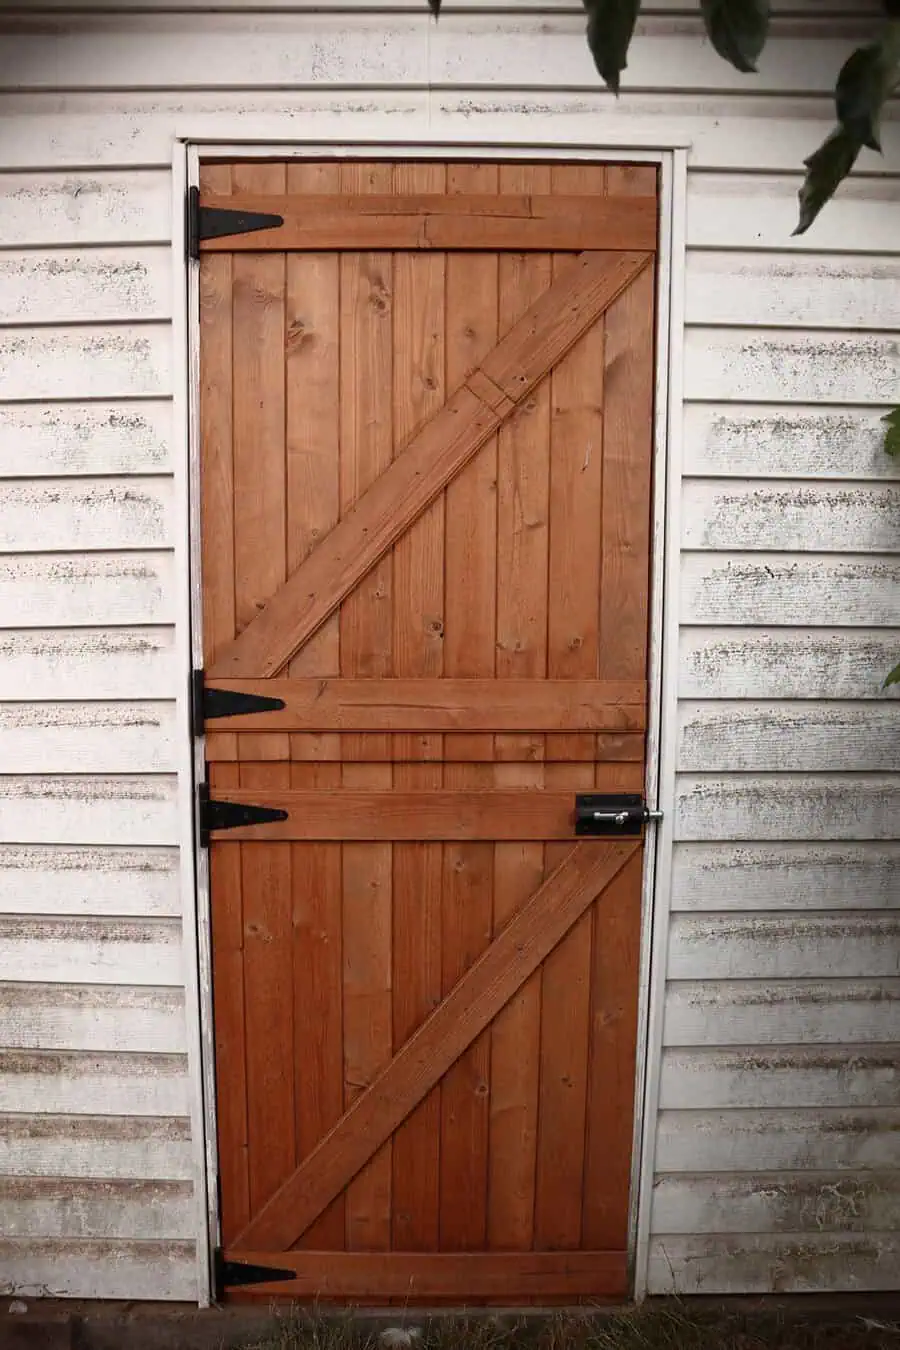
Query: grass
[{"x": 658, "y": 1326}]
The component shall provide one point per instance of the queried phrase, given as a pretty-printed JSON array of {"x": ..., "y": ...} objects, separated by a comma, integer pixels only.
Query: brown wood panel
[
  {"x": 522, "y": 543},
  {"x": 419, "y": 389},
  {"x": 426, "y": 495},
  {"x": 469, "y": 651},
  {"x": 260, "y": 567},
  {"x": 470, "y": 1006},
  {"x": 467, "y": 221},
  {"x": 435, "y": 455},
  {"x": 312, "y": 345},
  {"x": 366, "y": 625},
  {"x": 504, "y": 1277},
  {"x": 434, "y": 704}
]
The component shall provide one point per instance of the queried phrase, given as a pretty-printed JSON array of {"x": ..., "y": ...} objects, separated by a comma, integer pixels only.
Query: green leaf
[
  {"x": 826, "y": 169},
  {"x": 891, "y": 421},
  {"x": 610, "y": 28},
  {"x": 893, "y": 678},
  {"x": 737, "y": 29},
  {"x": 866, "y": 80}
]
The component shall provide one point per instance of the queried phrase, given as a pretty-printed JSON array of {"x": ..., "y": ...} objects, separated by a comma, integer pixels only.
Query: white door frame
[{"x": 271, "y": 137}]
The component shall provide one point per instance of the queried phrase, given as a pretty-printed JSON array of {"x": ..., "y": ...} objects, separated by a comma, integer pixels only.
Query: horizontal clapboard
[
  {"x": 737, "y": 211},
  {"x": 772, "y": 365},
  {"x": 91, "y": 286},
  {"x": 791, "y": 8},
  {"x": 90, "y": 881},
  {"x": 790, "y": 516},
  {"x": 64, "y": 514},
  {"x": 82, "y": 1268},
  {"x": 747, "y": 1141},
  {"x": 57, "y": 439},
  {"x": 88, "y": 737},
  {"x": 782, "y": 1012},
  {"x": 42, "y": 1207},
  {"x": 787, "y": 806},
  {"x": 779, "y": 1202},
  {"x": 774, "y": 589},
  {"x": 728, "y": 946},
  {"x": 270, "y": 50},
  {"x": 785, "y": 441},
  {"x": 771, "y": 877},
  {"x": 103, "y": 131},
  {"x": 72, "y": 1083},
  {"x": 74, "y": 589},
  {"x": 76, "y": 1017},
  {"x": 811, "y": 1262},
  {"x": 132, "y": 952},
  {"x": 94, "y": 361},
  {"x": 122, "y": 1147},
  {"x": 61, "y": 209},
  {"x": 799, "y": 663},
  {"x": 790, "y": 1076},
  {"x": 83, "y": 809},
  {"x": 739, "y": 735},
  {"x": 123, "y": 663},
  {"x": 792, "y": 291}
]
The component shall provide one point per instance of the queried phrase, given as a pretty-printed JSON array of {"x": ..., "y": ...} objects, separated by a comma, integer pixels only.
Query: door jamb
[{"x": 669, "y": 153}]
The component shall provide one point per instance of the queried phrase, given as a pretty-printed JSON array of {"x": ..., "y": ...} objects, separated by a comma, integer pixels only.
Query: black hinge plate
[
  {"x": 214, "y": 814},
  {"x": 216, "y": 222},
  {"x": 613, "y": 814},
  {"x": 234, "y": 1274},
  {"x": 207, "y": 704}
]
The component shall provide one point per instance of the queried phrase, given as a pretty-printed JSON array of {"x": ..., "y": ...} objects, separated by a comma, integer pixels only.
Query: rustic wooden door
[{"x": 426, "y": 457}]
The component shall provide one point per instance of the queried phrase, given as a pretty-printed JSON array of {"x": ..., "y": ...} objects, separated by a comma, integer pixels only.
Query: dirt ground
[{"x": 655, "y": 1327}]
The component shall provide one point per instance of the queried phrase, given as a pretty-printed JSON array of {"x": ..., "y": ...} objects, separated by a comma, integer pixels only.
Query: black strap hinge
[
  {"x": 233, "y": 1274},
  {"x": 216, "y": 222},
  {"x": 215, "y": 814},
  {"x": 207, "y": 704}
]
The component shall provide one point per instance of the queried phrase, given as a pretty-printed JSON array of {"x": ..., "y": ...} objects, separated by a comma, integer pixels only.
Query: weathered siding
[{"x": 778, "y": 1136}]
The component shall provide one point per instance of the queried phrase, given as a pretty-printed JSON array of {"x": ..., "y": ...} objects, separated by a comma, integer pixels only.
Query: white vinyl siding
[{"x": 779, "y": 1127}]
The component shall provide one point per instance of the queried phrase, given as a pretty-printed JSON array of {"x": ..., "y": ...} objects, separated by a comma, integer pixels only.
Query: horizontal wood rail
[
  {"x": 464, "y": 221},
  {"x": 505, "y": 1276},
  {"x": 358, "y": 814},
  {"x": 313, "y": 747},
  {"x": 409, "y": 705}
]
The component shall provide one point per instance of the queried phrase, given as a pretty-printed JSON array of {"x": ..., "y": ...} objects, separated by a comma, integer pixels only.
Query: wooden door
[{"x": 426, "y": 456}]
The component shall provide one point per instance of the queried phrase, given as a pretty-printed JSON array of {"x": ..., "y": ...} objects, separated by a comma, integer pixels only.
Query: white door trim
[{"x": 270, "y": 137}]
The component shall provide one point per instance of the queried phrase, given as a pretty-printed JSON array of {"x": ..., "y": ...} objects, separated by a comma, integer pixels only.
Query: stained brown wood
[
  {"x": 443, "y": 704},
  {"x": 456, "y": 221},
  {"x": 434, "y": 456},
  {"x": 510, "y": 1277},
  {"x": 469, "y": 1007},
  {"x": 457, "y": 660}
]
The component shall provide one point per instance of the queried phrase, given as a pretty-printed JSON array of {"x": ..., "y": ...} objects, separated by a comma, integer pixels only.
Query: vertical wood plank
[
  {"x": 313, "y": 502},
  {"x": 216, "y": 463},
  {"x": 623, "y": 627},
  {"x": 469, "y": 650},
  {"x": 366, "y": 626},
  {"x": 523, "y": 484},
  {"x": 260, "y": 563},
  {"x": 573, "y": 650},
  {"x": 228, "y": 1021},
  {"x": 419, "y": 390}
]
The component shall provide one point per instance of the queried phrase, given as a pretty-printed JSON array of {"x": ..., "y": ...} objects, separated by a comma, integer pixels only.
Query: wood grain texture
[
  {"x": 405, "y": 1275},
  {"x": 438, "y": 452},
  {"x": 476, "y": 998},
  {"x": 453, "y": 221}
]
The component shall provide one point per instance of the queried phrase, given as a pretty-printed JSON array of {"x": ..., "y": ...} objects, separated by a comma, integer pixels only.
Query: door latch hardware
[{"x": 616, "y": 813}]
